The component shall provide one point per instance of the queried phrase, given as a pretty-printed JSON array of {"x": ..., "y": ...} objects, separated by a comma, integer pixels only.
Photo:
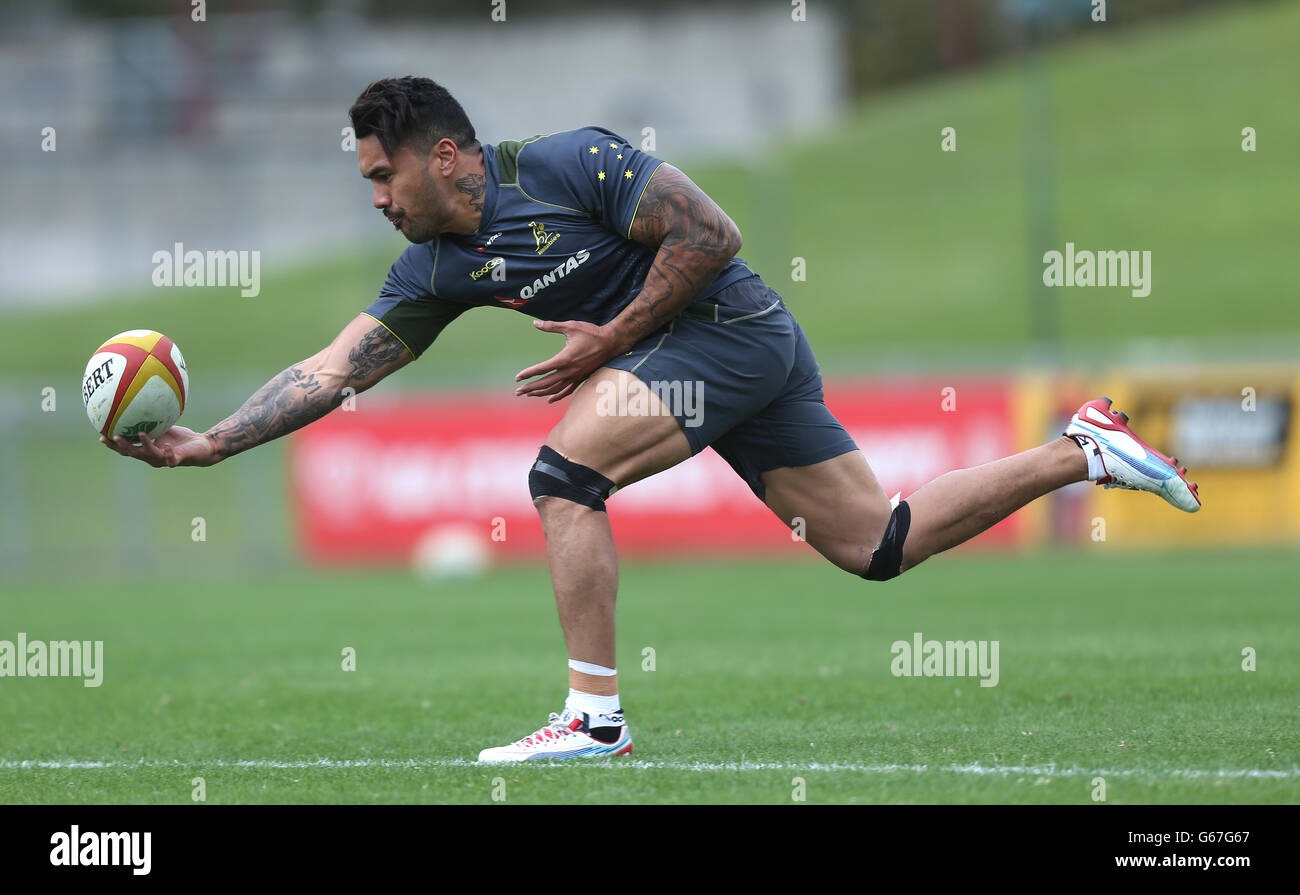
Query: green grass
[
  {"x": 905, "y": 245},
  {"x": 783, "y": 665}
]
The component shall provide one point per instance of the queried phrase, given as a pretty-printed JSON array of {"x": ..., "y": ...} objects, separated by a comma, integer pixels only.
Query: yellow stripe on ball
[
  {"x": 145, "y": 341},
  {"x": 150, "y": 368}
]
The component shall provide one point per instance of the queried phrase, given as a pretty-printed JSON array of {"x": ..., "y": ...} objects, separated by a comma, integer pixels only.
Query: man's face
[{"x": 404, "y": 189}]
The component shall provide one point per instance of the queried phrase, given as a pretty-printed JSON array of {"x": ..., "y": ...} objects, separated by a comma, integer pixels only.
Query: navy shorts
[{"x": 755, "y": 390}]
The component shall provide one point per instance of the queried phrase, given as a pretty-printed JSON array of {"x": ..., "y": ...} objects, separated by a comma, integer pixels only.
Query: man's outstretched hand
[
  {"x": 177, "y": 446},
  {"x": 587, "y": 347}
]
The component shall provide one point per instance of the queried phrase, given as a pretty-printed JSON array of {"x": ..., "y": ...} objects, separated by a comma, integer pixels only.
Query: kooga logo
[{"x": 77, "y": 849}]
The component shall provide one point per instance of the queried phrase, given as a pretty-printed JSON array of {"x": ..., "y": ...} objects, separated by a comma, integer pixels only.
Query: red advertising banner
[{"x": 369, "y": 484}]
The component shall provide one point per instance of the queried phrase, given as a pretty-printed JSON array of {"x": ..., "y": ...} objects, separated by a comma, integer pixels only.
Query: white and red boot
[
  {"x": 1117, "y": 458},
  {"x": 565, "y": 736}
]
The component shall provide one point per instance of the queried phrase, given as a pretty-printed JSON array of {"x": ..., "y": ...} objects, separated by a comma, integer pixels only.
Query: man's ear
[{"x": 443, "y": 157}]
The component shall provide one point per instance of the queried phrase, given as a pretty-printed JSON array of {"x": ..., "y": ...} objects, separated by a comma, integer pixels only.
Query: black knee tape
[
  {"x": 887, "y": 561},
  {"x": 554, "y": 476}
]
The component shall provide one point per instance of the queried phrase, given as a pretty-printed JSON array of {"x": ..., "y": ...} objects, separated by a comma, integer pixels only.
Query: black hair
[{"x": 413, "y": 112}]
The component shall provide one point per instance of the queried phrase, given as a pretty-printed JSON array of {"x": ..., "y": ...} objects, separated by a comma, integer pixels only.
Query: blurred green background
[
  {"x": 908, "y": 249},
  {"x": 916, "y": 260}
]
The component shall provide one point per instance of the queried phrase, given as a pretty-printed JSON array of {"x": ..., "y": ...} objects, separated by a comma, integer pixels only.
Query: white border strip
[{"x": 694, "y": 767}]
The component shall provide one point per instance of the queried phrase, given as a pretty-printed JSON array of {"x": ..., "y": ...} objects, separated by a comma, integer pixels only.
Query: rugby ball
[
  {"x": 135, "y": 382},
  {"x": 451, "y": 551}
]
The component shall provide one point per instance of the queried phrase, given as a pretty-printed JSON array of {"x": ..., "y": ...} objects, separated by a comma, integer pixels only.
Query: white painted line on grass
[{"x": 692, "y": 766}]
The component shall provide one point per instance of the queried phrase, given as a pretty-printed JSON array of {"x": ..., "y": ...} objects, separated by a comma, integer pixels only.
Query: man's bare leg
[
  {"x": 579, "y": 542},
  {"x": 584, "y": 575},
  {"x": 960, "y": 504},
  {"x": 845, "y": 511}
]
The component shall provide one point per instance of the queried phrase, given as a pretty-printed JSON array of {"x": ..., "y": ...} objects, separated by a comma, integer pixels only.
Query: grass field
[{"x": 1117, "y": 666}]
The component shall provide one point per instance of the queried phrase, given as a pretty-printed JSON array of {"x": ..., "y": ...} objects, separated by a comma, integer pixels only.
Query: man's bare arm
[
  {"x": 695, "y": 241},
  {"x": 361, "y": 355}
]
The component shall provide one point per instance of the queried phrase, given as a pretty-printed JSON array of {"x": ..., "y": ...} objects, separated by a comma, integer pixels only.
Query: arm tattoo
[
  {"x": 695, "y": 240},
  {"x": 297, "y": 397},
  {"x": 377, "y": 349},
  {"x": 474, "y": 185},
  {"x": 288, "y": 402}
]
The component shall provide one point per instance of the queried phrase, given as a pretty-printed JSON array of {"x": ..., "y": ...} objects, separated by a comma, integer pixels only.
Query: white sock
[
  {"x": 1096, "y": 469},
  {"x": 591, "y": 704}
]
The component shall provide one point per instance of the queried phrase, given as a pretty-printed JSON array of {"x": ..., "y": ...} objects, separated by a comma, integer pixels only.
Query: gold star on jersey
[{"x": 601, "y": 177}]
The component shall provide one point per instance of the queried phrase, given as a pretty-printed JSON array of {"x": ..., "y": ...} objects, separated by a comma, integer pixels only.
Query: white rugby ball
[
  {"x": 135, "y": 382},
  {"x": 451, "y": 551}
]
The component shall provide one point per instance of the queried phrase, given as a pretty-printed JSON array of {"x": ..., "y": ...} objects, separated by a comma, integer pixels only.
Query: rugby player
[{"x": 636, "y": 267}]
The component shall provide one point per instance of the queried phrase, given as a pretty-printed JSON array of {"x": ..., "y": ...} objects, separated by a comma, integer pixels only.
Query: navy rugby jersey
[{"x": 553, "y": 241}]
